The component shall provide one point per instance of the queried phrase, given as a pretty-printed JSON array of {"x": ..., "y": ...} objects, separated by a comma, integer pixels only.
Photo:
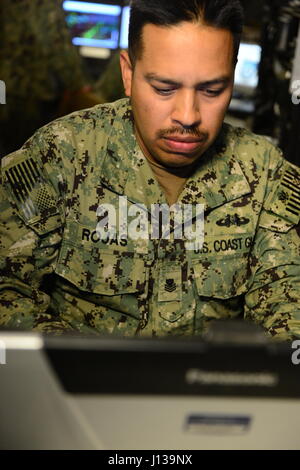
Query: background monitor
[
  {"x": 124, "y": 28},
  {"x": 246, "y": 73},
  {"x": 93, "y": 24}
]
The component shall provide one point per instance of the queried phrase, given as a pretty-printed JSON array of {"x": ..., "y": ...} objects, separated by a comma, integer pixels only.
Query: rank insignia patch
[{"x": 170, "y": 285}]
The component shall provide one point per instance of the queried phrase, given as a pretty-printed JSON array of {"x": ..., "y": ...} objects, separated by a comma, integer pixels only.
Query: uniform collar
[
  {"x": 125, "y": 170},
  {"x": 218, "y": 179}
]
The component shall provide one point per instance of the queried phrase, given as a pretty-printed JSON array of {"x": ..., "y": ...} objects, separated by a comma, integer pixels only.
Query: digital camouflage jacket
[{"x": 58, "y": 274}]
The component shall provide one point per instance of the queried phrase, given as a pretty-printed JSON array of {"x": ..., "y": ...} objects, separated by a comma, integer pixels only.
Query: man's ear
[{"x": 126, "y": 70}]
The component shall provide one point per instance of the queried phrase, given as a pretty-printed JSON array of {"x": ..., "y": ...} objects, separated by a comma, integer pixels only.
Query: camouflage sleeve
[
  {"x": 273, "y": 299},
  {"x": 30, "y": 236}
]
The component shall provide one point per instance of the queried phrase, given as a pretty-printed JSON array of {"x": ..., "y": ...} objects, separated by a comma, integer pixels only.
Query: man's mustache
[{"x": 181, "y": 131}]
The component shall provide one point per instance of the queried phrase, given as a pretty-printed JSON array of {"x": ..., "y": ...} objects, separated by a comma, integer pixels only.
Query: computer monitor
[
  {"x": 94, "y": 25},
  {"x": 238, "y": 391},
  {"x": 124, "y": 27},
  {"x": 246, "y": 73}
]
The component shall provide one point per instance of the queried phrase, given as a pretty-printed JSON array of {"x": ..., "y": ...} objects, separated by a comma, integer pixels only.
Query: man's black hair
[{"x": 222, "y": 14}]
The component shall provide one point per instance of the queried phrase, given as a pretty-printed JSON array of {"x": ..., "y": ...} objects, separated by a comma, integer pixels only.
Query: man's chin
[{"x": 178, "y": 160}]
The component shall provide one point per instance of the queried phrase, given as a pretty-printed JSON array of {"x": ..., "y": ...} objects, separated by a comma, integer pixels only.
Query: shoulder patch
[
  {"x": 284, "y": 199},
  {"x": 290, "y": 193},
  {"x": 32, "y": 195}
]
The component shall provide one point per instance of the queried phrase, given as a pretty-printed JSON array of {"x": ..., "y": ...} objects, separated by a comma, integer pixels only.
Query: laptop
[{"x": 233, "y": 389}]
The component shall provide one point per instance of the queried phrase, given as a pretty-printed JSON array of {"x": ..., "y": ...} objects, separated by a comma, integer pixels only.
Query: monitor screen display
[
  {"x": 93, "y": 24},
  {"x": 124, "y": 28},
  {"x": 246, "y": 73}
]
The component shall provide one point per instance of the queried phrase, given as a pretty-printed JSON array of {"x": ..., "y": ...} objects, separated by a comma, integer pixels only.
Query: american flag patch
[
  {"x": 291, "y": 182},
  {"x": 32, "y": 193}
]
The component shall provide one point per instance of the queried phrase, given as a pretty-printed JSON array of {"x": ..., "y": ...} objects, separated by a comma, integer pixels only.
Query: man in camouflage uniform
[{"x": 165, "y": 145}]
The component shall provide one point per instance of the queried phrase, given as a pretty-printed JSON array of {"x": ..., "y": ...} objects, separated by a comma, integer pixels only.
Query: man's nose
[{"x": 186, "y": 110}]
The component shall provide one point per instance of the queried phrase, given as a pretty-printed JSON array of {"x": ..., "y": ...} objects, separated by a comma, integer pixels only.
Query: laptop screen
[{"x": 237, "y": 391}]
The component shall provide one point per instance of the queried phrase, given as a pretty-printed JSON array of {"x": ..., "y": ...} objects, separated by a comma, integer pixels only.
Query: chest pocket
[
  {"x": 221, "y": 279},
  {"x": 101, "y": 268},
  {"x": 223, "y": 272}
]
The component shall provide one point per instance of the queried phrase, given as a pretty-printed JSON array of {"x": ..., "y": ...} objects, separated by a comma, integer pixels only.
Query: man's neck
[{"x": 171, "y": 180}]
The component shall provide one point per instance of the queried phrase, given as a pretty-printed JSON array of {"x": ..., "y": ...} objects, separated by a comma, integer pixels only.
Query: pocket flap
[
  {"x": 101, "y": 271},
  {"x": 221, "y": 279}
]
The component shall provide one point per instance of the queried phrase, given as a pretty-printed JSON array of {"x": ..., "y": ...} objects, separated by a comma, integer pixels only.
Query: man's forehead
[
  {"x": 184, "y": 29},
  {"x": 193, "y": 36},
  {"x": 189, "y": 44}
]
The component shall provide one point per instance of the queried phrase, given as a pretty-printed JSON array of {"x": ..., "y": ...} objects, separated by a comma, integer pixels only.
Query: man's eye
[
  {"x": 164, "y": 91},
  {"x": 213, "y": 93}
]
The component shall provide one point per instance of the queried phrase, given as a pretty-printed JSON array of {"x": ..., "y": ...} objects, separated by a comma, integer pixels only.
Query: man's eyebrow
[
  {"x": 207, "y": 83},
  {"x": 152, "y": 76}
]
